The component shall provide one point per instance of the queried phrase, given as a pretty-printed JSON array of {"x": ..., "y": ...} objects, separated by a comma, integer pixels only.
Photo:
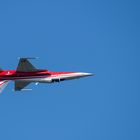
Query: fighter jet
[{"x": 27, "y": 73}]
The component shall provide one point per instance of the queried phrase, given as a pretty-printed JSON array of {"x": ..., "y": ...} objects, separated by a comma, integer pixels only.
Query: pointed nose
[{"x": 83, "y": 74}]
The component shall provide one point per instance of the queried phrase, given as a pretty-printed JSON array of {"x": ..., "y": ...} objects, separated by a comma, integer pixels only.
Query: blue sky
[{"x": 101, "y": 37}]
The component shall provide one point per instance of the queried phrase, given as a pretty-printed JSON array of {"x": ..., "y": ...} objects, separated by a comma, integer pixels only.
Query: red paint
[{"x": 14, "y": 75}]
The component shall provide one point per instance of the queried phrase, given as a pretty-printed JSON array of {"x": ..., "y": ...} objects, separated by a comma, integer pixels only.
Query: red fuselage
[
  {"x": 14, "y": 75},
  {"x": 27, "y": 73}
]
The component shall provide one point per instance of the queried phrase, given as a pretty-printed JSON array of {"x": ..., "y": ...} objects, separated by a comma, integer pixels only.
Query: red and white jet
[{"x": 26, "y": 73}]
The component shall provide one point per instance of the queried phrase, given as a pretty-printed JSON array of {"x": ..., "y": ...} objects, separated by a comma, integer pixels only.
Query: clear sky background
[{"x": 101, "y": 37}]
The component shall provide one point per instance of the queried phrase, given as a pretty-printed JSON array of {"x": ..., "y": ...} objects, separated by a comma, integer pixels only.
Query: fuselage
[
  {"x": 43, "y": 76},
  {"x": 26, "y": 73}
]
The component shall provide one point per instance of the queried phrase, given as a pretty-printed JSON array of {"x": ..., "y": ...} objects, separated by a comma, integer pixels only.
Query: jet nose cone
[
  {"x": 87, "y": 74},
  {"x": 83, "y": 74}
]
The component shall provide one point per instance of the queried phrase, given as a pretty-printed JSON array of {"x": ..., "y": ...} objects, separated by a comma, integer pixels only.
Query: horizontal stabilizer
[{"x": 3, "y": 85}]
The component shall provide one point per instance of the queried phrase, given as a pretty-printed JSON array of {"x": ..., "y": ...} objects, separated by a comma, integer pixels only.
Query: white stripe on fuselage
[{"x": 49, "y": 78}]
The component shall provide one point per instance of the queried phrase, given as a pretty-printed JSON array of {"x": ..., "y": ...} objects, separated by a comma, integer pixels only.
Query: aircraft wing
[
  {"x": 24, "y": 65},
  {"x": 3, "y": 85},
  {"x": 19, "y": 85}
]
